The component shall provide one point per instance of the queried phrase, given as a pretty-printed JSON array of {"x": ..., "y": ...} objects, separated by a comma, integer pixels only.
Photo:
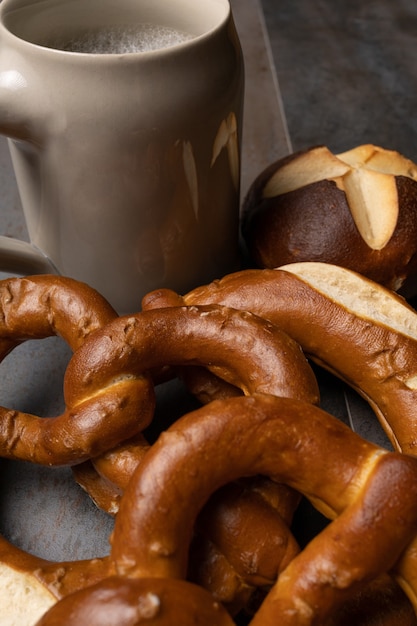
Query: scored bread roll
[{"x": 357, "y": 209}]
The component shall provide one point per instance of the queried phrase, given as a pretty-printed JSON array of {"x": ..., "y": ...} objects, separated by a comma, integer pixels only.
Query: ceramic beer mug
[{"x": 124, "y": 124}]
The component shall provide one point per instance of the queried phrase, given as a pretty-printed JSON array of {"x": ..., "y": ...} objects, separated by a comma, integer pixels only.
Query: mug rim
[{"x": 8, "y": 6}]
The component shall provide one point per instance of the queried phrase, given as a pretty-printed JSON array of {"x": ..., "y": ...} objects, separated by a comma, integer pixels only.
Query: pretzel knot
[{"x": 355, "y": 483}]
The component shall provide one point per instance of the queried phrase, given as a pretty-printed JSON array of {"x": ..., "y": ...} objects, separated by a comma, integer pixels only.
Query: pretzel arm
[
  {"x": 92, "y": 426},
  {"x": 40, "y": 306}
]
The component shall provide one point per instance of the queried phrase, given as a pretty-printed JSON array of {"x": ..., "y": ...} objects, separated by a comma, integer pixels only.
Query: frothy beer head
[{"x": 122, "y": 40}]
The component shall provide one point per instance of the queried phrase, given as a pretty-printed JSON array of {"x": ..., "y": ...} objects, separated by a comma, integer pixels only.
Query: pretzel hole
[
  {"x": 42, "y": 510},
  {"x": 32, "y": 374},
  {"x": 172, "y": 401}
]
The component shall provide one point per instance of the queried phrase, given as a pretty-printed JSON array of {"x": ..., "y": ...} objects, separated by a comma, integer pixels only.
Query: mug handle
[
  {"x": 20, "y": 257},
  {"x": 17, "y": 256}
]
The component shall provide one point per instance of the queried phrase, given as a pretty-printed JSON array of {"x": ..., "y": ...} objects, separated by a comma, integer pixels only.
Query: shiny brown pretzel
[
  {"x": 370, "y": 495},
  {"x": 108, "y": 394},
  {"x": 126, "y": 348},
  {"x": 358, "y": 330},
  {"x": 247, "y": 352},
  {"x": 243, "y": 538},
  {"x": 239, "y": 347},
  {"x": 42, "y": 306}
]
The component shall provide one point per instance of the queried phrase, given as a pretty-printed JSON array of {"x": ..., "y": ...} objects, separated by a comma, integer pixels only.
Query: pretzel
[
  {"x": 42, "y": 306},
  {"x": 358, "y": 330},
  {"x": 120, "y": 354},
  {"x": 239, "y": 347},
  {"x": 107, "y": 391},
  {"x": 369, "y": 494},
  {"x": 246, "y": 351}
]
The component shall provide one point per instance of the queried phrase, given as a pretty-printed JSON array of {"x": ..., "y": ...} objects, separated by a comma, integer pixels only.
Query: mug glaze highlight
[{"x": 127, "y": 164}]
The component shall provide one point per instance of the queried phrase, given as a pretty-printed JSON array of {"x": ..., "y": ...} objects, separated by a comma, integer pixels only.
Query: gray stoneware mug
[{"x": 127, "y": 160}]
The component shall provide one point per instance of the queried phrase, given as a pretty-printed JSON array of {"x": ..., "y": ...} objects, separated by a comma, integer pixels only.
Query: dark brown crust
[{"x": 314, "y": 223}]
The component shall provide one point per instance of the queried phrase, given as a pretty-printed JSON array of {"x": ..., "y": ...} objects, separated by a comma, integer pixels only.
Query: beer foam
[{"x": 113, "y": 40}]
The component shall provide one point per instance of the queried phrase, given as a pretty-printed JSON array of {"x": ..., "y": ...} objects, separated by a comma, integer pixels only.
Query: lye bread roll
[{"x": 357, "y": 209}]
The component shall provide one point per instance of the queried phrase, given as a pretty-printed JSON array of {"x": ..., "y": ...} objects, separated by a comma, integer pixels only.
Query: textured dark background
[{"x": 347, "y": 71}]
